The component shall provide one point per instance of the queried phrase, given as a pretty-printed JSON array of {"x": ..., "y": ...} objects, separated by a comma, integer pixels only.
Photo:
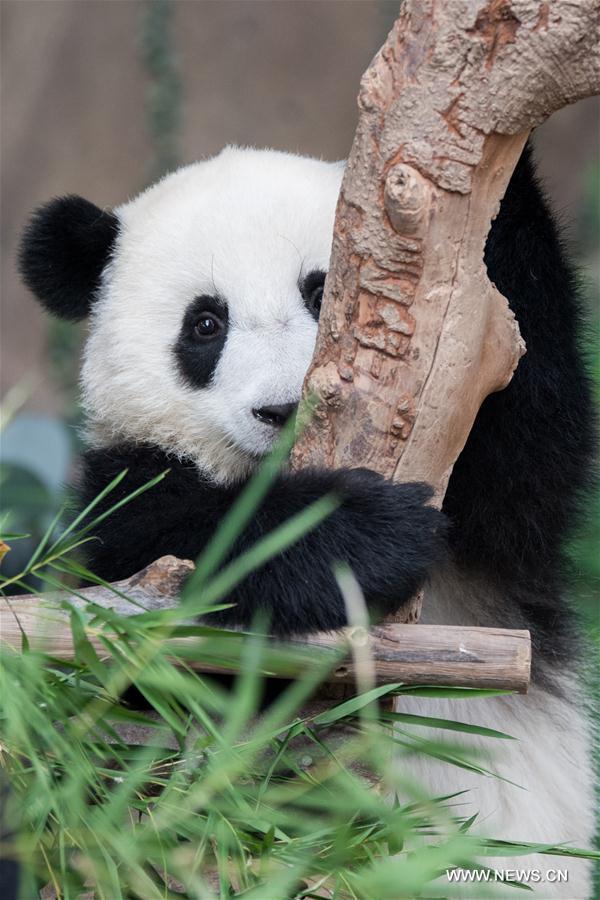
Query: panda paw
[{"x": 390, "y": 534}]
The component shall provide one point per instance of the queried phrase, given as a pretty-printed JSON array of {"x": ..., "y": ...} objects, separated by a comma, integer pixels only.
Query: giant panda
[{"x": 203, "y": 296}]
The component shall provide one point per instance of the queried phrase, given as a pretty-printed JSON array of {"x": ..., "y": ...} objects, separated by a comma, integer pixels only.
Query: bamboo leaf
[{"x": 349, "y": 707}]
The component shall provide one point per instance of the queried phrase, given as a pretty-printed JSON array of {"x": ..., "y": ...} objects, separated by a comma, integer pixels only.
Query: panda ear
[{"x": 63, "y": 251}]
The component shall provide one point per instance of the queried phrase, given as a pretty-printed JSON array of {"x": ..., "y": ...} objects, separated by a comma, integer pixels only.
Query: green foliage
[
  {"x": 589, "y": 215},
  {"x": 225, "y": 798},
  {"x": 164, "y": 91}
]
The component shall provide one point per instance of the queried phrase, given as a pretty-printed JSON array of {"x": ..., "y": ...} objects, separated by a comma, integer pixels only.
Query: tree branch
[
  {"x": 412, "y": 335},
  {"x": 423, "y": 654}
]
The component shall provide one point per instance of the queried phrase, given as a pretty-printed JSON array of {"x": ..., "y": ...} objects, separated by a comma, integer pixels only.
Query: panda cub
[{"x": 203, "y": 297}]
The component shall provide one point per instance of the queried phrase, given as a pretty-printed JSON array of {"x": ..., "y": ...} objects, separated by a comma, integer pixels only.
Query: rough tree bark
[{"x": 412, "y": 334}]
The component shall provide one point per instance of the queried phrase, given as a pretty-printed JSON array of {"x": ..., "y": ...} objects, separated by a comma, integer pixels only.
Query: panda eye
[
  {"x": 311, "y": 288},
  {"x": 315, "y": 300},
  {"x": 207, "y": 325}
]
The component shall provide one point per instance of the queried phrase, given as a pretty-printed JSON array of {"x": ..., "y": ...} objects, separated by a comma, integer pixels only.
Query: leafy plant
[{"x": 226, "y": 796}]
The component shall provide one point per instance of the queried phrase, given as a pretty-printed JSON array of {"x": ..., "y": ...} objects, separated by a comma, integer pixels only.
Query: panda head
[{"x": 202, "y": 295}]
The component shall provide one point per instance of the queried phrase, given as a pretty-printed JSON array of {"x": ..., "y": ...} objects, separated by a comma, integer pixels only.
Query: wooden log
[{"x": 411, "y": 654}]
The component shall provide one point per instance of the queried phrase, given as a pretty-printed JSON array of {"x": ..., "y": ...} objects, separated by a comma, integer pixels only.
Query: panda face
[{"x": 206, "y": 316}]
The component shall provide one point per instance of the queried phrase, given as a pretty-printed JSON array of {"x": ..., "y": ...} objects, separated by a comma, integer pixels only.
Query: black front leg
[{"x": 386, "y": 533}]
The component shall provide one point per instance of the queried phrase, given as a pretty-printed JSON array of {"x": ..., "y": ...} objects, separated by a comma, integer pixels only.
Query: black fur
[
  {"x": 197, "y": 356},
  {"x": 514, "y": 494},
  {"x": 311, "y": 288},
  {"x": 385, "y": 532},
  {"x": 64, "y": 249}
]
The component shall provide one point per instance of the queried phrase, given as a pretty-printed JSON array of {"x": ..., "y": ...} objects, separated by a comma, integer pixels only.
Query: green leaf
[
  {"x": 84, "y": 651},
  {"x": 240, "y": 513},
  {"x": 92, "y": 505},
  {"x": 349, "y": 707},
  {"x": 195, "y": 603},
  {"x": 446, "y": 724}
]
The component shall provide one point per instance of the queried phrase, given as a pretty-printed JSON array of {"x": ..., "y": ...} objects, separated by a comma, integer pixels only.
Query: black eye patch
[
  {"x": 311, "y": 288},
  {"x": 201, "y": 339}
]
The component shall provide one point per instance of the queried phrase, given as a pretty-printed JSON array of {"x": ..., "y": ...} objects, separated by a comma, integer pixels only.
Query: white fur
[
  {"x": 550, "y": 761},
  {"x": 245, "y": 224}
]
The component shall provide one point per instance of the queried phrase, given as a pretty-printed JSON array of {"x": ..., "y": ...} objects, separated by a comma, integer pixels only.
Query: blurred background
[{"x": 99, "y": 98}]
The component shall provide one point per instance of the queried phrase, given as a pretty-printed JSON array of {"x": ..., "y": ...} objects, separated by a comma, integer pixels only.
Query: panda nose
[{"x": 276, "y": 415}]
